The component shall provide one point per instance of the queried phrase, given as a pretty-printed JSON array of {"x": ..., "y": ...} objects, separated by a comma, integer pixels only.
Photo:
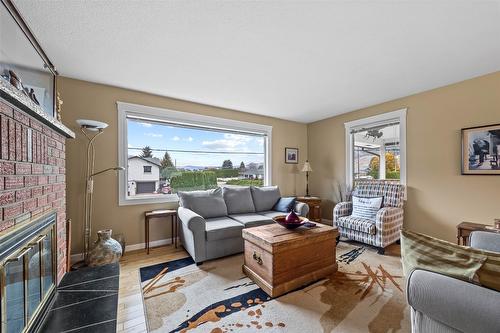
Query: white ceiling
[{"x": 296, "y": 60}]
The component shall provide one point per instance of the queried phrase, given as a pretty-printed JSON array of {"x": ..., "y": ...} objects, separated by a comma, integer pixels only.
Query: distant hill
[{"x": 192, "y": 167}]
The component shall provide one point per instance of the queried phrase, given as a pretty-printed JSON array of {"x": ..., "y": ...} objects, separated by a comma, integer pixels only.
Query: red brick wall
[{"x": 32, "y": 174}]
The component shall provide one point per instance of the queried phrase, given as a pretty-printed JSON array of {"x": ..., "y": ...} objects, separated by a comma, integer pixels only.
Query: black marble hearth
[{"x": 86, "y": 301}]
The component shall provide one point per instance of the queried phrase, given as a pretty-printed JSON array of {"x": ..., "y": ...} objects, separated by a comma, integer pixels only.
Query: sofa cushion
[
  {"x": 272, "y": 213},
  {"x": 208, "y": 203},
  {"x": 251, "y": 220},
  {"x": 264, "y": 198},
  {"x": 285, "y": 204},
  {"x": 238, "y": 200},
  {"x": 222, "y": 228},
  {"x": 366, "y": 208},
  {"x": 358, "y": 224}
]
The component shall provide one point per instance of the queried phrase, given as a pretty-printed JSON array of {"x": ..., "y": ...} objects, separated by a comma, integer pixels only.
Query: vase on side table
[{"x": 106, "y": 250}]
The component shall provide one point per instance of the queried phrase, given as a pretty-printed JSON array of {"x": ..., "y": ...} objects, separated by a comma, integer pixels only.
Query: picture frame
[
  {"x": 291, "y": 155},
  {"x": 481, "y": 150}
]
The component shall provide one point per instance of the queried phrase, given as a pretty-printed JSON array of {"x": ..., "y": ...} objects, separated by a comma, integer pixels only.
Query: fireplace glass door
[{"x": 27, "y": 280}]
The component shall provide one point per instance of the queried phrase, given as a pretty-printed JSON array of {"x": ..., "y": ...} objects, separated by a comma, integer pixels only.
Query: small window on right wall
[{"x": 376, "y": 148}]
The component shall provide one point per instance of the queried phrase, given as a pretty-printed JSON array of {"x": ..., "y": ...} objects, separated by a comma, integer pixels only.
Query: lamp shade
[{"x": 306, "y": 167}]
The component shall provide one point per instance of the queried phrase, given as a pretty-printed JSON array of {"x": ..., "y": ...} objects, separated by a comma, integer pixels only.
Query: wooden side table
[
  {"x": 161, "y": 213},
  {"x": 464, "y": 230},
  {"x": 314, "y": 204}
]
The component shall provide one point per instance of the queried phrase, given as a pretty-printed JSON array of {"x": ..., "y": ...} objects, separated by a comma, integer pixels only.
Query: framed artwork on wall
[
  {"x": 291, "y": 155},
  {"x": 481, "y": 150}
]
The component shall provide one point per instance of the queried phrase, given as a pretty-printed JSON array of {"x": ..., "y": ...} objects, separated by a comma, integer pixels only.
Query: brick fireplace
[{"x": 32, "y": 174}]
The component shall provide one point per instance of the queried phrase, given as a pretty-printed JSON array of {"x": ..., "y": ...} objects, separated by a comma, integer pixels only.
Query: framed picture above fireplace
[{"x": 25, "y": 71}]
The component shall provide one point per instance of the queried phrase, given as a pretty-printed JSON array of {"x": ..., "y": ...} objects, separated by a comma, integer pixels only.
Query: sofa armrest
[
  {"x": 484, "y": 240},
  {"x": 342, "y": 209},
  {"x": 301, "y": 208},
  {"x": 190, "y": 219},
  {"x": 461, "y": 305}
]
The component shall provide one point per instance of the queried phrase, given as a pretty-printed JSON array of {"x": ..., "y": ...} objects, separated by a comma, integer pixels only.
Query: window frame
[
  {"x": 181, "y": 118},
  {"x": 149, "y": 167},
  {"x": 380, "y": 119}
]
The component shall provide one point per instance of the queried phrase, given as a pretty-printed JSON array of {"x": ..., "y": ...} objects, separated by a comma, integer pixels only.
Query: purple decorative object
[
  {"x": 292, "y": 217},
  {"x": 282, "y": 220}
]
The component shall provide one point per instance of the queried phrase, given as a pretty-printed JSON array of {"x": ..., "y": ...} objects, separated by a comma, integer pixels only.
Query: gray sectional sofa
[{"x": 211, "y": 221}]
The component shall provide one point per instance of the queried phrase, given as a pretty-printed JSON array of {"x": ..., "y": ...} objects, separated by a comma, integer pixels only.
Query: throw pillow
[
  {"x": 264, "y": 198},
  {"x": 208, "y": 203},
  {"x": 420, "y": 251},
  {"x": 285, "y": 204},
  {"x": 238, "y": 200},
  {"x": 366, "y": 208}
]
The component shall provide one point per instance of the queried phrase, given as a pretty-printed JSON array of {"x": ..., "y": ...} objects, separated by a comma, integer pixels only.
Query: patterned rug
[{"x": 365, "y": 295}]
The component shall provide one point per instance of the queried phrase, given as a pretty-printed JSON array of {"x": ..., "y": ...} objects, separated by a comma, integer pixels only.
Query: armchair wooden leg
[{"x": 381, "y": 250}]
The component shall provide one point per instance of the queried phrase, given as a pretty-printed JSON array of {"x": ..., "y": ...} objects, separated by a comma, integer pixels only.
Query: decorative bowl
[{"x": 281, "y": 220}]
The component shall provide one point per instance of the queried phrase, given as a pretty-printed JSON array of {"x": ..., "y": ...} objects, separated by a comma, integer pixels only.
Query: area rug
[{"x": 365, "y": 295}]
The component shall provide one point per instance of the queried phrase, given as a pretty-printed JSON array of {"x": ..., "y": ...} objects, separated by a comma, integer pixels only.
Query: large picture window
[
  {"x": 167, "y": 151},
  {"x": 376, "y": 148}
]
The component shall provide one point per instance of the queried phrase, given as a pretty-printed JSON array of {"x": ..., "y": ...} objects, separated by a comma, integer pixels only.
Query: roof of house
[{"x": 152, "y": 160}]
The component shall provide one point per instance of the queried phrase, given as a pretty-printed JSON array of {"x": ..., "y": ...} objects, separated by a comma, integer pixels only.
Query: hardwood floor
[{"x": 130, "y": 309}]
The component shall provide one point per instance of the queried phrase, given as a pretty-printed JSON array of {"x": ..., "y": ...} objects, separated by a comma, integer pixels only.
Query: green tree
[
  {"x": 147, "y": 152},
  {"x": 242, "y": 166},
  {"x": 391, "y": 166},
  {"x": 166, "y": 162},
  {"x": 227, "y": 164}
]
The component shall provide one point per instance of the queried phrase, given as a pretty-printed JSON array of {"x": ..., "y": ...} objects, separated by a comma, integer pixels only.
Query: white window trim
[
  {"x": 186, "y": 118},
  {"x": 398, "y": 115}
]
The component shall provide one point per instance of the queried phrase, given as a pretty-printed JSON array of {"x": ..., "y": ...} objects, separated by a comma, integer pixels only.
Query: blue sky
[{"x": 225, "y": 145}]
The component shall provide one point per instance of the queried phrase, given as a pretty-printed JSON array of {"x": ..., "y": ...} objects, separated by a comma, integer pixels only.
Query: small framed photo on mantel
[
  {"x": 291, "y": 155},
  {"x": 481, "y": 150}
]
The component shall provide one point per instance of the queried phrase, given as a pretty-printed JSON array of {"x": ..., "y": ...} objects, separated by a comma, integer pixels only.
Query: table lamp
[{"x": 307, "y": 168}]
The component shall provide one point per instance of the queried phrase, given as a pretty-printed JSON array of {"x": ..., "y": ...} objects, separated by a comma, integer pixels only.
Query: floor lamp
[{"x": 91, "y": 129}]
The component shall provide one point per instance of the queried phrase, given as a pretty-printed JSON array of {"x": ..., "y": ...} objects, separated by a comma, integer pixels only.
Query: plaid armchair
[{"x": 388, "y": 222}]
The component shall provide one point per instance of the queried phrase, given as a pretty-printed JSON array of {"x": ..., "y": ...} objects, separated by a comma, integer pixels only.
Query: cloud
[
  {"x": 148, "y": 125},
  {"x": 231, "y": 142},
  {"x": 190, "y": 139},
  {"x": 176, "y": 138},
  {"x": 154, "y": 135},
  {"x": 260, "y": 141}
]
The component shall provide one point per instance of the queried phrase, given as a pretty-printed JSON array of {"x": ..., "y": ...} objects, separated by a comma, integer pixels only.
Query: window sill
[{"x": 128, "y": 201}]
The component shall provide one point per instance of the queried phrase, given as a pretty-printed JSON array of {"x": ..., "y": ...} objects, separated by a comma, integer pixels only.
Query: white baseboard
[
  {"x": 132, "y": 247},
  {"x": 155, "y": 243}
]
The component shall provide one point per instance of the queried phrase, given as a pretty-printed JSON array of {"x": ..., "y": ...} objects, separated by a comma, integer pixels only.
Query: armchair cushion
[
  {"x": 366, "y": 208},
  {"x": 222, "y": 228},
  {"x": 358, "y": 224},
  {"x": 208, "y": 203},
  {"x": 238, "y": 200},
  {"x": 264, "y": 198}
]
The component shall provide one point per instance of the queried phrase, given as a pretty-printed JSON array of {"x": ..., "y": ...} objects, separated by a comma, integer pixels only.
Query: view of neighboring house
[
  {"x": 143, "y": 175},
  {"x": 253, "y": 171}
]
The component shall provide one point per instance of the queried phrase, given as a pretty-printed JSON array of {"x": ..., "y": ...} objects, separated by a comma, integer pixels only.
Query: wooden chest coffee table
[{"x": 280, "y": 260}]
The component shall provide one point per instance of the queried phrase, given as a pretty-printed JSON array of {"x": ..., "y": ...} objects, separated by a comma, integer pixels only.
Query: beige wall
[
  {"x": 94, "y": 101},
  {"x": 439, "y": 197}
]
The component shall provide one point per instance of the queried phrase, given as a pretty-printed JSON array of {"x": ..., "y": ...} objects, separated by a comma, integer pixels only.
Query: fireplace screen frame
[{"x": 34, "y": 237}]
